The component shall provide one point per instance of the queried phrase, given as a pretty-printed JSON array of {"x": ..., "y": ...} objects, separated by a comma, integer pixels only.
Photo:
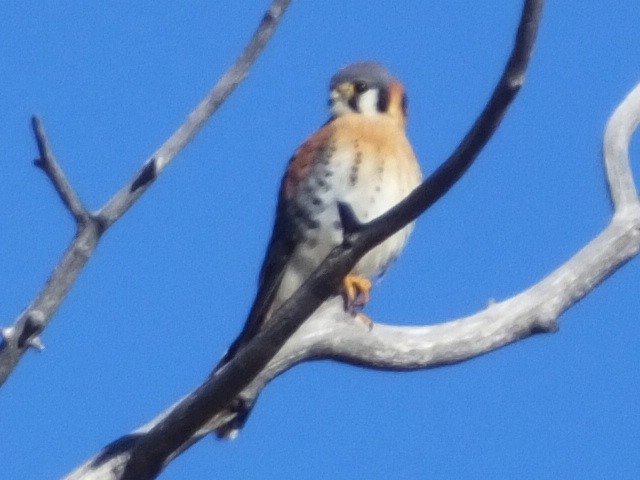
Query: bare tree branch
[
  {"x": 143, "y": 454},
  {"x": 47, "y": 162},
  {"x": 617, "y": 137},
  {"x": 121, "y": 202},
  {"x": 434, "y": 187},
  {"x": 330, "y": 333},
  {"x": 25, "y": 331}
]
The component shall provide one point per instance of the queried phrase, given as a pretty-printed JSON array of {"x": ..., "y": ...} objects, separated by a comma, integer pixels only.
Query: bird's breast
[{"x": 367, "y": 165}]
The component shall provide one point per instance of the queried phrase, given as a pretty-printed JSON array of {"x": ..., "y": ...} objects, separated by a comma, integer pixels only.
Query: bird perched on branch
[{"x": 361, "y": 157}]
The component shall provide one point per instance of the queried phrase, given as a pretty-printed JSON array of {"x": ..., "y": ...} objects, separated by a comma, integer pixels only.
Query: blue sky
[{"x": 170, "y": 284}]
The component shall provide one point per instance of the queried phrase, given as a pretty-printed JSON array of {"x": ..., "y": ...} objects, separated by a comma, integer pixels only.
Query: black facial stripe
[
  {"x": 383, "y": 100},
  {"x": 353, "y": 102},
  {"x": 360, "y": 86}
]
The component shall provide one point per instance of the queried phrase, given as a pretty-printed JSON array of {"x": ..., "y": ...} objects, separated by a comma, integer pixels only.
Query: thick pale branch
[
  {"x": 17, "y": 338},
  {"x": 532, "y": 311},
  {"x": 617, "y": 137},
  {"x": 330, "y": 333}
]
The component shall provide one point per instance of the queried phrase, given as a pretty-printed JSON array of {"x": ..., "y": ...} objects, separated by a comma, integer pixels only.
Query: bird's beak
[{"x": 344, "y": 92}]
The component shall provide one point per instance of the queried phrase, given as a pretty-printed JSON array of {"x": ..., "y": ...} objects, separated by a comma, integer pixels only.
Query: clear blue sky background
[{"x": 170, "y": 285}]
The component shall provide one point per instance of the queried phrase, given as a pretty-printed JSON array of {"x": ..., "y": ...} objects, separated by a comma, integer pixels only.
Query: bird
[{"x": 360, "y": 157}]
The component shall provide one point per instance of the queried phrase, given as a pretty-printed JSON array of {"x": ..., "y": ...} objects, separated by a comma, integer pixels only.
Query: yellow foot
[{"x": 356, "y": 291}]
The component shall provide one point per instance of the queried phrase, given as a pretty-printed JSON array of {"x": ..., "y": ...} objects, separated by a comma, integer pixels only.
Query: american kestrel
[{"x": 360, "y": 157}]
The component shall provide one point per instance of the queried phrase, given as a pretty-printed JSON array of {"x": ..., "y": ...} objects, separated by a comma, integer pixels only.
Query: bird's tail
[{"x": 239, "y": 409}]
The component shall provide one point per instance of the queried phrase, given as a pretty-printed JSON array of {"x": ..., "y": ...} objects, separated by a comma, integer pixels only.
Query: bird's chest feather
[{"x": 368, "y": 165}]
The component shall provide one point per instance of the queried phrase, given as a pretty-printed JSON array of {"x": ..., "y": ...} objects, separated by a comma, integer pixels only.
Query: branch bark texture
[
  {"x": 330, "y": 333},
  {"x": 25, "y": 331},
  {"x": 148, "y": 450},
  {"x": 313, "y": 325}
]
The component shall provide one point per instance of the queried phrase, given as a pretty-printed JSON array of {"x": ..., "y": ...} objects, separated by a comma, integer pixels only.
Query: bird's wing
[{"x": 284, "y": 238}]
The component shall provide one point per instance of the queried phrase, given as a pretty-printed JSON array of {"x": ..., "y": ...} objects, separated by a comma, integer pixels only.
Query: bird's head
[{"x": 367, "y": 88}]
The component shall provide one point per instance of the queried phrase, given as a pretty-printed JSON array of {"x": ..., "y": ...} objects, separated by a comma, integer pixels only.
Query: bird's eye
[{"x": 360, "y": 86}]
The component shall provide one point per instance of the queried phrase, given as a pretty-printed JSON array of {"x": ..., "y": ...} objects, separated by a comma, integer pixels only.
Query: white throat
[{"x": 367, "y": 104}]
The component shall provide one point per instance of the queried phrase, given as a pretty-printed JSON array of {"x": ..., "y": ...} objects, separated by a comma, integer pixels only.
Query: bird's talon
[{"x": 356, "y": 292}]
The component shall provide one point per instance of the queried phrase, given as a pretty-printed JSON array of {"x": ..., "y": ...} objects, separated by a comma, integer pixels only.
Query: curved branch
[
  {"x": 617, "y": 137},
  {"x": 439, "y": 183},
  {"x": 24, "y": 333},
  {"x": 330, "y": 333},
  {"x": 144, "y": 454},
  {"x": 333, "y": 334}
]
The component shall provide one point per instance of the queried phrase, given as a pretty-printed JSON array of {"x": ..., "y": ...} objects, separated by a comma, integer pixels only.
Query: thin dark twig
[
  {"x": 47, "y": 162},
  {"x": 153, "y": 448}
]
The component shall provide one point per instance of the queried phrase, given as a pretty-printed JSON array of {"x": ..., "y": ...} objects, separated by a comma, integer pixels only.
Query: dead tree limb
[
  {"x": 25, "y": 331},
  {"x": 330, "y": 333},
  {"x": 144, "y": 453}
]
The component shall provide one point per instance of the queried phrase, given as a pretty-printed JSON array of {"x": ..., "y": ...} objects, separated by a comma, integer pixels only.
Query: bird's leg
[{"x": 356, "y": 291}]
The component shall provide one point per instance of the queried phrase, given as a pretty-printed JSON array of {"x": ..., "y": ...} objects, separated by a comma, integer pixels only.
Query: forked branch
[
  {"x": 25, "y": 330},
  {"x": 48, "y": 163}
]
